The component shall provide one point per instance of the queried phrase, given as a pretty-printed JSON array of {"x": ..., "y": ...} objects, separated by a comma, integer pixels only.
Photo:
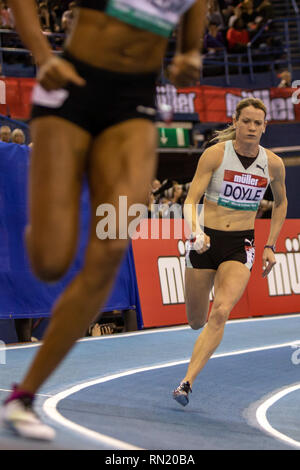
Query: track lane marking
[
  {"x": 50, "y": 405},
  {"x": 261, "y": 415}
]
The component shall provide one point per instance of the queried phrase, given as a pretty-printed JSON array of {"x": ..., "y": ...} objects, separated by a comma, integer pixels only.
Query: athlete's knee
[
  {"x": 48, "y": 268},
  {"x": 196, "y": 318},
  {"x": 49, "y": 265},
  {"x": 197, "y": 323},
  {"x": 219, "y": 315}
]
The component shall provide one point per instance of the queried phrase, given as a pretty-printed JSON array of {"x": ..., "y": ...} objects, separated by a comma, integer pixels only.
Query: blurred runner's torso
[{"x": 124, "y": 35}]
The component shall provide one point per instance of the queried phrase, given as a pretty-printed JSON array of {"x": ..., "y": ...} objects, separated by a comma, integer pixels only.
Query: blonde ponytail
[{"x": 225, "y": 134}]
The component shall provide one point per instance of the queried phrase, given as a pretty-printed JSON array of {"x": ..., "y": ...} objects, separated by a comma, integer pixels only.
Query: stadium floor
[{"x": 114, "y": 392}]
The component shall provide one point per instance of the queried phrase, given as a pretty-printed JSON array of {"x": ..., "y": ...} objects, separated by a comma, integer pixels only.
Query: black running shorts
[
  {"x": 108, "y": 98},
  {"x": 224, "y": 246}
]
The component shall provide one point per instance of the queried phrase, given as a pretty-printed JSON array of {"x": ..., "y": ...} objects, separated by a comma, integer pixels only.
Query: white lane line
[
  {"x": 50, "y": 405},
  {"x": 161, "y": 330},
  {"x": 261, "y": 415}
]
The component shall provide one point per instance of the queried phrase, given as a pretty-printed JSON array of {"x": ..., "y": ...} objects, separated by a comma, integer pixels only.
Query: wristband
[{"x": 272, "y": 247}]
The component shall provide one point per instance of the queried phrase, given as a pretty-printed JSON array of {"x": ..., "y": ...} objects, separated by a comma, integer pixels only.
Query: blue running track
[{"x": 114, "y": 392}]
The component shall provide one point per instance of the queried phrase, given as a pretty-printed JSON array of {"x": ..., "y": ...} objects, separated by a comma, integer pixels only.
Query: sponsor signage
[
  {"x": 217, "y": 104},
  {"x": 160, "y": 270},
  {"x": 204, "y": 103}
]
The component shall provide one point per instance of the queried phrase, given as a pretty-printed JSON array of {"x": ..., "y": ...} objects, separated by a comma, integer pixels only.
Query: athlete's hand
[
  {"x": 201, "y": 242},
  {"x": 55, "y": 73},
  {"x": 185, "y": 69},
  {"x": 269, "y": 261}
]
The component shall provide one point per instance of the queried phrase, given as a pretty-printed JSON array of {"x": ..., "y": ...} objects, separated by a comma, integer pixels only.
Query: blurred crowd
[
  {"x": 55, "y": 15},
  {"x": 231, "y": 24},
  {"x": 165, "y": 196}
]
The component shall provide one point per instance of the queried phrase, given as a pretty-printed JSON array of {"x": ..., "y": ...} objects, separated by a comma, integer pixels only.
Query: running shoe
[
  {"x": 181, "y": 393},
  {"x": 17, "y": 414}
]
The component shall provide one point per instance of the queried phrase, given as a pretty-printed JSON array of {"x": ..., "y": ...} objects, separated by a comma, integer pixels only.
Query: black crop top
[{"x": 93, "y": 4}]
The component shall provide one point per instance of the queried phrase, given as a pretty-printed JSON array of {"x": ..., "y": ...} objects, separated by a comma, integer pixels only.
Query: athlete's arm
[
  {"x": 54, "y": 72},
  {"x": 277, "y": 171},
  {"x": 187, "y": 63},
  {"x": 208, "y": 163}
]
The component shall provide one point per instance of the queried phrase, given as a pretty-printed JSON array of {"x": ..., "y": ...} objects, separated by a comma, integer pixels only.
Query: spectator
[
  {"x": 236, "y": 15},
  {"x": 213, "y": 13},
  {"x": 248, "y": 12},
  {"x": 18, "y": 137},
  {"x": 58, "y": 7},
  {"x": 255, "y": 17},
  {"x": 5, "y": 134},
  {"x": 55, "y": 20},
  {"x": 227, "y": 12},
  {"x": 6, "y": 17},
  {"x": 265, "y": 10},
  {"x": 67, "y": 18},
  {"x": 44, "y": 15},
  {"x": 286, "y": 79},
  {"x": 179, "y": 195},
  {"x": 237, "y": 37},
  {"x": 170, "y": 204},
  {"x": 48, "y": 12},
  {"x": 213, "y": 39}
]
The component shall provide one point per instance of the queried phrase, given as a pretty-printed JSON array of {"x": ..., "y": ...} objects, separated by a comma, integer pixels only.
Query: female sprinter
[{"x": 233, "y": 175}]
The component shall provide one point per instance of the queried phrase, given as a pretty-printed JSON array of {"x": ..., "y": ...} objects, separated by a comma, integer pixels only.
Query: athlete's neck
[{"x": 246, "y": 149}]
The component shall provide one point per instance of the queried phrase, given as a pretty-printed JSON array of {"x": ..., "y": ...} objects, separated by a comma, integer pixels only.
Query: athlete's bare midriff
[
  {"x": 222, "y": 218},
  {"x": 103, "y": 41}
]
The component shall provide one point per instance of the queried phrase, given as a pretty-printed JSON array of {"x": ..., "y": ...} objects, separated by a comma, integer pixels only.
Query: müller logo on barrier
[
  {"x": 284, "y": 279},
  {"x": 164, "y": 271},
  {"x": 171, "y": 270},
  {"x": 2, "y": 92},
  {"x": 279, "y": 108},
  {"x": 171, "y": 276},
  {"x": 180, "y": 102}
]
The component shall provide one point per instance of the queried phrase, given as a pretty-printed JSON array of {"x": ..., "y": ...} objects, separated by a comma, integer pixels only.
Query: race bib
[
  {"x": 242, "y": 191},
  {"x": 157, "y": 16}
]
